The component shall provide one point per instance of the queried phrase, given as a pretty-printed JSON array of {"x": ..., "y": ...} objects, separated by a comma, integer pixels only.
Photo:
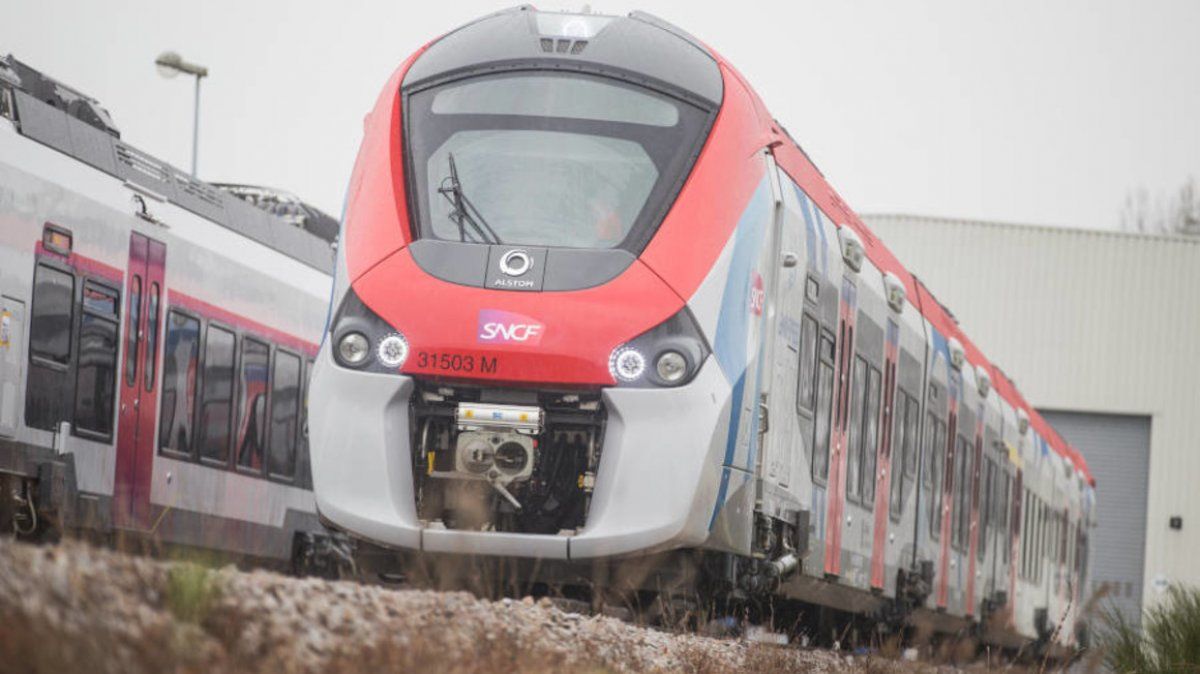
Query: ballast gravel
[{"x": 72, "y": 607}]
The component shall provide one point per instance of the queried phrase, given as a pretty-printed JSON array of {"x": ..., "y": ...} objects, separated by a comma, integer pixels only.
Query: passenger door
[
  {"x": 138, "y": 378},
  {"x": 836, "y": 490}
]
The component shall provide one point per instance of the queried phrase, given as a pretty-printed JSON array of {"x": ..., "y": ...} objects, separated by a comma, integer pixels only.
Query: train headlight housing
[
  {"x": 364, "y": 341},
  {"x": 667, "y": 355},
  {"x": 393, "y": 350},
  {"x": 671, "y": 366},
  {"x": 353, "y": 349}
]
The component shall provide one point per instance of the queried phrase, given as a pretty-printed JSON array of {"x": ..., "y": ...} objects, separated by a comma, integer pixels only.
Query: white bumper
[{"x": 655, "y": 488}]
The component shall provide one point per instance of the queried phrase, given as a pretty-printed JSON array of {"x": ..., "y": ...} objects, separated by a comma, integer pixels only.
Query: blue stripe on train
[{"x": 733, "y": 327}]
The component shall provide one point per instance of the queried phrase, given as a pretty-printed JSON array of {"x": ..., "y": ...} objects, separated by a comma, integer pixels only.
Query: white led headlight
[
  {"x": 393, "y": 350},
  {"x": 626, "y": 364}
]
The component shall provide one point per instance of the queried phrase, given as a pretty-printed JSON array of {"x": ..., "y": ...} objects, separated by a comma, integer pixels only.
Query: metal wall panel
[{"x": 1088, "y": 321}]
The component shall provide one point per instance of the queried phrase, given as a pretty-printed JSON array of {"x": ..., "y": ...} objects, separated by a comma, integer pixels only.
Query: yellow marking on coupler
[{"x": 429, "y": 471}]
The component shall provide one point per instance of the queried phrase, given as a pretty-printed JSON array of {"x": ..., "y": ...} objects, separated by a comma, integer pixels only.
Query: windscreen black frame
[{"x": 688, "y": 139}]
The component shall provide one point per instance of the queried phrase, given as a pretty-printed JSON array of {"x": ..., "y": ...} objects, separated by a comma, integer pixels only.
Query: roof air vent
[
  {"x": 984, "y": 380},
  {"x": 852, "y": 248},
  {"x": 894, "y": 289},
  {"x": 956, "y": 353}
]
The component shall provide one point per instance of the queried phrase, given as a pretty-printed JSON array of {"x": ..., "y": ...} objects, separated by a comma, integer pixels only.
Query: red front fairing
[{"x": 578, "y": 329}]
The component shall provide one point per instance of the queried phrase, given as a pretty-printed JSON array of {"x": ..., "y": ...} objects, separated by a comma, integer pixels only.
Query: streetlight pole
[
  {"x": 171, "y": 64},
  {"x": 196, "y": 125}
]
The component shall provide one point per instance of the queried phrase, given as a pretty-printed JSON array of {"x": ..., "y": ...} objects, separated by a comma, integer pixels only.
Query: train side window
[
  {"x": 96, "y": 374},
  {"x": 912, "y": 421},
  {"x": 1063, "y": 531},
  {"x": 935, "y": 449},
  {"x": 870, "y": 444},
  {"x": 998, "y": 476},
  {"x": 1038, "y": 539},
  {"x": 985, "y": 505},
  {"x": 303, "y": 461},
  {"x": 821, "y": 425},
  {"x": 1025, "y": 538},
  {"x": 285, "y": 415},
  {"x": 216, "y": 395},
  {"x": 50, "y": 324},
  {"x": 854, "y": 433},
  {"x": 131, "y": 329},
  {"x": 1041, "y": 549},
  {"x": 52, "y": 315},
  {"x": 1006, "y": 489},
  {"x": 962, "y": 490},
  {"x": 152, "y": 328},
  {"x": 252, "y": 404},
  {"x": 181, "y": 353},
  {"x": 806, "y": 384},
  {"x": 899, "y": 414}
]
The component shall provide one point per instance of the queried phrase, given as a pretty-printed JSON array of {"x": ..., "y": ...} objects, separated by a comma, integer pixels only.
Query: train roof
[
  {"x": 638, "y": 46},
  {"x": 45, "y": 110}
]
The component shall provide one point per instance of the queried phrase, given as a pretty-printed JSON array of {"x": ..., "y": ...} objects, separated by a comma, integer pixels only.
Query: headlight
[
  {"x": 626, "y": 364},
  {"x": 393, "y": 350},
  {"x": 671, "y": 366},
  {"x": 364, "y": 341},
  {"x": 353, "y": 349},
  {"x": 675, "y": 348}
]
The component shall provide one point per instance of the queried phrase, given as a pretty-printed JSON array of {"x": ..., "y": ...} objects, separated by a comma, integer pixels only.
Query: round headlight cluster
[
  {"x": 669, "y": 366},
  {"x": 353, "y": 349}
]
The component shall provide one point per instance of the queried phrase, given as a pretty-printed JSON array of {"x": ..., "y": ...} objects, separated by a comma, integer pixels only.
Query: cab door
[
  {"x": 783, "y": 455},
  {"x": 138, "y": 379}
]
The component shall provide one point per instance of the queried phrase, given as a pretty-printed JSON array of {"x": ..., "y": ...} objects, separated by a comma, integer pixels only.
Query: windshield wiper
[{"x": 464, "y": 212}]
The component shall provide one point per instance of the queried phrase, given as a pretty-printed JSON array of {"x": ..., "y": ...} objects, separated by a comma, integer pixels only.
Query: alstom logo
[{"x": 505, "y": 327}]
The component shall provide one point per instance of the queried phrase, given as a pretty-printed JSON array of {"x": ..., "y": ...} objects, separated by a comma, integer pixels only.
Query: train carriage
[
  {"x": 156, "y": 337},
  {"x": 595, "y": 311}
]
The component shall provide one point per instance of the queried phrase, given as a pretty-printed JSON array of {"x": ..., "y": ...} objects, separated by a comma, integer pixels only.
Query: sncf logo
[
  {"x": 758, "y": 297},
  {"x": 505, "y": 327}
]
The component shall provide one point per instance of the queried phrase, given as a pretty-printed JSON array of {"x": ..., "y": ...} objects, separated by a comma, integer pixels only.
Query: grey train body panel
[{"x": 225, "y": 264}]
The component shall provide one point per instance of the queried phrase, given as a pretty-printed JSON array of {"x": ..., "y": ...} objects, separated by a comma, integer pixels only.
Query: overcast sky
[{"x": 1041, "y": 111}]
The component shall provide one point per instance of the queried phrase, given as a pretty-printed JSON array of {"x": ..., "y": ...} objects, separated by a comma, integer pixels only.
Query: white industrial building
[{"x": 1101, "y": 332}]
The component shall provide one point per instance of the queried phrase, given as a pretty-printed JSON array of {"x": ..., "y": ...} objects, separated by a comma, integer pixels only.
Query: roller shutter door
[{"x": 1117, "y": 449}]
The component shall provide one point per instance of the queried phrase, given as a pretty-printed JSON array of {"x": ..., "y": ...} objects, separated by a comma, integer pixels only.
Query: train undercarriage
[{"x": 40, "y": 503}]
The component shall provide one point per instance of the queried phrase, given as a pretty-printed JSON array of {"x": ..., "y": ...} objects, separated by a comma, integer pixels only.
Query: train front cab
[{"x": 552, "y": 286}]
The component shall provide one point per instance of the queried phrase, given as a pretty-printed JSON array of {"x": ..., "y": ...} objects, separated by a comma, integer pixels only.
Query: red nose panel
[{"x": 562, "y": 338}]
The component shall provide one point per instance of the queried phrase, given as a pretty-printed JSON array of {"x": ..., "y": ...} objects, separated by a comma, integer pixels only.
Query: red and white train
[
  {"x": 156, "y": 335},
  {"x": 594, "y": 307}
]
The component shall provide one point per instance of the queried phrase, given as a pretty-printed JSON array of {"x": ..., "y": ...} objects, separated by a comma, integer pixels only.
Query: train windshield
[{"x": 547, "y": 159}]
